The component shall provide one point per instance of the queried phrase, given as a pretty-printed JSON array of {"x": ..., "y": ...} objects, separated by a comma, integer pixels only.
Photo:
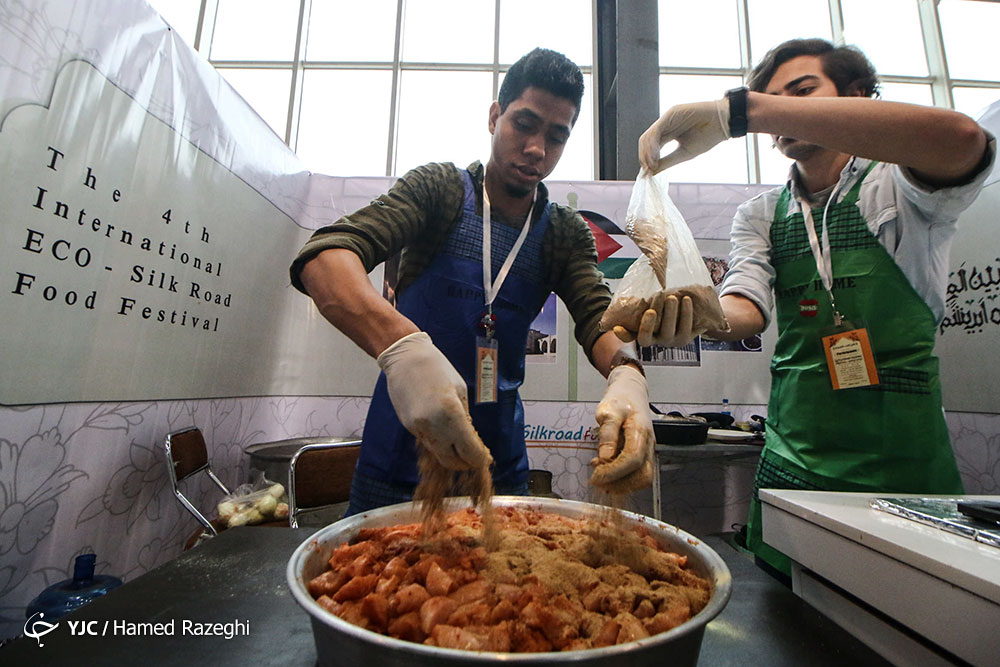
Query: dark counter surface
[{"x": 237, "y": 581}]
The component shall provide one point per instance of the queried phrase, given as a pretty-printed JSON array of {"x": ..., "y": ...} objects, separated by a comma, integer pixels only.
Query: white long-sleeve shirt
[{"x": 915, "y": 223}]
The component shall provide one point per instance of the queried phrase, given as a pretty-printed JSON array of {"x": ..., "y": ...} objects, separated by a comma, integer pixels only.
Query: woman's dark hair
[
  {"x": 848, "y": 68},
  {"x": 545, "y": 69}
]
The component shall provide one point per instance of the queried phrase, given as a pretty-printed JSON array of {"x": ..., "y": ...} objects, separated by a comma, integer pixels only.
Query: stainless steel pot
[{"x": 341, "y": 643}]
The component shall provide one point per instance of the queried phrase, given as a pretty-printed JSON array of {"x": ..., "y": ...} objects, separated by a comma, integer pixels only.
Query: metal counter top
[{"x": 239, "y": 578}]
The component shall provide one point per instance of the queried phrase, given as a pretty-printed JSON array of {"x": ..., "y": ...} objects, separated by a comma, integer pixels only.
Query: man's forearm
[
  {"x": 942, "y": 146},
  {"x": 745, "y": 319},
  {"x": 339, "y": 286}
]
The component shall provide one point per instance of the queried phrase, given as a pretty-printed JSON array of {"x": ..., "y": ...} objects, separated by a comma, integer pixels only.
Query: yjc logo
[{"x": 31, "y": 627}]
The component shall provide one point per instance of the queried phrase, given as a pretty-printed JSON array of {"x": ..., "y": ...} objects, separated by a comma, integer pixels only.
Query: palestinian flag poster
[
  {"x": 615, "y": 253},
  {"x": 603, "y": 206}
]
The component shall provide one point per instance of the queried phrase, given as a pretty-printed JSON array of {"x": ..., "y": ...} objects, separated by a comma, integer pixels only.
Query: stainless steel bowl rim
[{"x": 349, "y": 527}]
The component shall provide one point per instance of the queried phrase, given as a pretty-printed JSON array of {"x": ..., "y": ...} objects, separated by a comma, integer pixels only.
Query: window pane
[
  {"x": 255, "y": 30},
  {"x": 725, "y": 163},
  {"x": 865, "y": 24},
  {"x": 344, "y": 139},
  {"x": 577, "y": 161},
  {"x": 684, "y": 41},
  {"x": 775, "y": 21},
  {"x": 773, "y": 165},
  {"x": 448, "y": 31},
  {"x": 266, "y": 90},
  {"x": 352, "y": 31},
  {"x": 574, "y": 37},
  {"x": 443, "y": 117},
  {"x": 181, "y": 15},
  {"x": 914, "y": 93},
  {"x": 970, "y": 34},
  {"x": 973, "y": 101}
]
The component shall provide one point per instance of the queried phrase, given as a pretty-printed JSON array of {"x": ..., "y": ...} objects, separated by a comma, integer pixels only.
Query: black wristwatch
[{"x": 737, "y": 111}]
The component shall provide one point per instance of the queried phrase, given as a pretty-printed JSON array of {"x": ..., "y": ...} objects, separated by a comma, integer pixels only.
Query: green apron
[{"x": 886, "y": 438}]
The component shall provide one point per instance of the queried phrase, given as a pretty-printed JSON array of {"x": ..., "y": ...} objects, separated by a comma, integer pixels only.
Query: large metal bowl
[{"x": 341, "y": 643}]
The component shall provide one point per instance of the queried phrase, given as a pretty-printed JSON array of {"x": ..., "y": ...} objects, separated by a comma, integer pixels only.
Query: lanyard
[
  {"x": 490, "y": 286},
  {"x": 821, "y": 251}
]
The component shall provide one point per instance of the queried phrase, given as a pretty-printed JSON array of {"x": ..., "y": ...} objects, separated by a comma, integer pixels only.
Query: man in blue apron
[
  {"x": 480, "y": 251},
  {"x": 852, "y": 253}
]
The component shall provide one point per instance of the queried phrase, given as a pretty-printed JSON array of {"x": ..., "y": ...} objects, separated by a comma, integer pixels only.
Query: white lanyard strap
[
  {"x": 821, "y": 251},
  {"x": 490, "y": 286}
]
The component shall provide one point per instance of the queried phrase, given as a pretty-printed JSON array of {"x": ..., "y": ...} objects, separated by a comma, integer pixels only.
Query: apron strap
[
  {"x": 852, "y": 195},
  {"x": 781, "y": 208}
]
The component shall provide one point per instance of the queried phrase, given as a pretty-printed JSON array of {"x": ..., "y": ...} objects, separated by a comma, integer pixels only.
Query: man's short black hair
[
  {"x": 848, "y": 68},
  {"x": 545, "y": 69}
]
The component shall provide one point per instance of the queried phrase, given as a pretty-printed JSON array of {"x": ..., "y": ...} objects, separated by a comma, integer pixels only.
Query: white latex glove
[
  {"x": 668, "y": 322},
  {"x": 431, "y": 401},
  {"x": 695, "y": 127},
  {"x": 624, "y": 460}
]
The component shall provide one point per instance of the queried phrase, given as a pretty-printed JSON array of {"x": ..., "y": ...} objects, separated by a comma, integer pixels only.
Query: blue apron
[{"x": 447, "y": 301}]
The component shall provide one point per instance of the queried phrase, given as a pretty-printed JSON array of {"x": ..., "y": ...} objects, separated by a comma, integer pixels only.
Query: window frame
[{"x": 938, "y": 78}]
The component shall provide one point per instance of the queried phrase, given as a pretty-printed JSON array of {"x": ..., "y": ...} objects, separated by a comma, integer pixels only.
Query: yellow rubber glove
[
  {"x": 431, "y": 400},
  {"x": 625, "y": 448},
  {"x": 695, "y": 127}
]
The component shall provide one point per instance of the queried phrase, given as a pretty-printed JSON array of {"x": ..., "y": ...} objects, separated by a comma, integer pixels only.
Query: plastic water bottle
[
  {"x": 725, "y": 407},
  {"x": 70, "y": 594}
]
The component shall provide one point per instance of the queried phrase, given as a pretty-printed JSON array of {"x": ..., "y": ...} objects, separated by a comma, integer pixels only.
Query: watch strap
[
  {"x": 621, "y": 357},
  {"x": 737, "y": 111}
]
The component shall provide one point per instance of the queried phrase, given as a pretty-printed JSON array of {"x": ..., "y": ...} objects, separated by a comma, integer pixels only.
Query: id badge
[
  {"x": 487, "y": 351},
  {"x": 849, "y": 358}
]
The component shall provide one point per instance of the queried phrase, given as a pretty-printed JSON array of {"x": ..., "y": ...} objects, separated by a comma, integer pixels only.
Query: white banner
[
  {"x": 970, "y": 331},
  {"x": 135, "y": 264}
]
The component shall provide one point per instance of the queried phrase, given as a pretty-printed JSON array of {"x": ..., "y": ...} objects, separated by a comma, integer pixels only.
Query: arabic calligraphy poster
[
  {"x": 969, "y": 343},
  {"x": 969, "y": 334}
]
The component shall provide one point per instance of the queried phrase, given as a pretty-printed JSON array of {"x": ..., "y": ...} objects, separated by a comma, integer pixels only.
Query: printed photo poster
[
  {"x": 717, "y": 261},
  {"x": 542, "y": 344}
]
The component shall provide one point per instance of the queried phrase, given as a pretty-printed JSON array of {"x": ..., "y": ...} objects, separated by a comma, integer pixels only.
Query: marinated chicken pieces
[{"x": 554, "y": 583}]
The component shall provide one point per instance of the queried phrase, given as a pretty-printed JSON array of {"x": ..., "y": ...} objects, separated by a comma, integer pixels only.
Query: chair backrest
[
  {"x": 319, "y": 475},
  {"x": 187, "y": 451},
  {"x": 187, "y": 455}
]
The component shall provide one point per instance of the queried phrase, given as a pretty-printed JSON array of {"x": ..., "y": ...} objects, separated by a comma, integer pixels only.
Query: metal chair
[
  {"x": 319, "y": 478},
  {"x": 187, "y": 455}
]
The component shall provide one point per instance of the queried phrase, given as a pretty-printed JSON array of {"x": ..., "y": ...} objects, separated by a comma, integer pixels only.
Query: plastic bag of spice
[{"x": 671, "y": 263}]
